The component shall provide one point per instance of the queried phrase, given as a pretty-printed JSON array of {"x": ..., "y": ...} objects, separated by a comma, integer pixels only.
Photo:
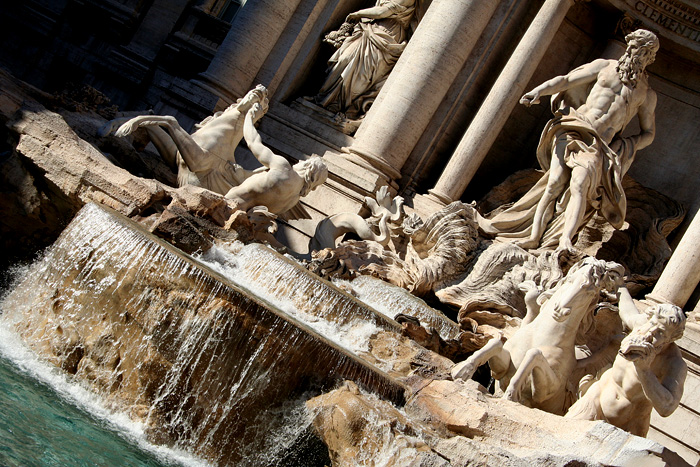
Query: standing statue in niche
[
  {"x": 367, "y": 51},
  {"x": 280, "y": 187},
  {"x": 582, "y": 149},
  {"x": 648, "y": 372},
  {"x": 206, "y": 157}
]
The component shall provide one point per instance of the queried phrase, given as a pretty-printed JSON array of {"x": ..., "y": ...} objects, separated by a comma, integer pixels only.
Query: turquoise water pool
[{"x": 39, "y": 427}]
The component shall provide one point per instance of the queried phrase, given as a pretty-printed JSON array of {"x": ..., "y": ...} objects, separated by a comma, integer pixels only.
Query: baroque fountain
[{"x": 180, "y": 309}]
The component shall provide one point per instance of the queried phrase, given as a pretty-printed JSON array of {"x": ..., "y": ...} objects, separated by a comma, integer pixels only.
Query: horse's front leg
[
  {"x": 493, "y": 352},
  {"x": 129, "y": 126},
  {"x": 544, "y": 379}
]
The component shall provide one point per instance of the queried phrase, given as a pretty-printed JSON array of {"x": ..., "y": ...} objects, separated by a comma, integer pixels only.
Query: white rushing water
[
  {"x": 13, "y": 349},
  {"x": 353, "y": 335},
  {"x": 205, "y": 365}
]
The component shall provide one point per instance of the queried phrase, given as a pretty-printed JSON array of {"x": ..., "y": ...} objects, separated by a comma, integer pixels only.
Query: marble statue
[
  {"x": 383, "y": 211},
  {"x": 582, "y": 150},
  {"x": 421, "y": 257},
  {"x": 648, "y": 372},
  {"x": 206, "y": 157},
  {"x": 365, "y": 56},
  {"x": 280, "y": 187},
  {"x": 535, "y": 364}
]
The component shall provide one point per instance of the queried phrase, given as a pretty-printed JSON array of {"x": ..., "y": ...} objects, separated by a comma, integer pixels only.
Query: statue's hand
[
  {"x": 256, "y": 111},
  {"x": 530, "y": 98},
  {"x": 644, "y": 361},
  {"x": 353, "y": 18}
]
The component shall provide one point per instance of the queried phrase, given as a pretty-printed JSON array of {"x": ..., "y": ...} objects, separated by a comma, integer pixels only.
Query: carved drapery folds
[{"x": 369, "y": 44}]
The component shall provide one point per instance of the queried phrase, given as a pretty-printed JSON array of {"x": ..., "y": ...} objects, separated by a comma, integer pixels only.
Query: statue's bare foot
[
  {"x": 567, "y": 248},
  {"x": 463, "y": 370},
  {"x": 528, "y": 244}
]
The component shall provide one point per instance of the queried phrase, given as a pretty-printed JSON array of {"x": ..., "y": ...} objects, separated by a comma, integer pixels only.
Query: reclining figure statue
[
  {"x": 281, "y": 186},
  {"x": 535, "y": 364},
  {"x": 648, "y": 372},
  {"x": 206, "y": 157}
]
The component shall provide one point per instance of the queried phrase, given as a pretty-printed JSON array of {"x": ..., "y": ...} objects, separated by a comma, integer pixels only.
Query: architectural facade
[{"x": 446, "y": 125}]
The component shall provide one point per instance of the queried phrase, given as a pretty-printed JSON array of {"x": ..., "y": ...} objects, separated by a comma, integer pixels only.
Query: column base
[
  {"x": 208, "y": 84},
  {"x": 439, "y": 197},
  {"x": 427, "y": 205},
  {"x": 655, "y": 299},
  {"x": 374, "y": 164}
]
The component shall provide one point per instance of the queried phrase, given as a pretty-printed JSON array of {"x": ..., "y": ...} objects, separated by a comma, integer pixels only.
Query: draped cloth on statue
[
  {"x": 584, "y": 148},
  {"x": 219, "y": 178},
  {"x": 359, "y": 68}
]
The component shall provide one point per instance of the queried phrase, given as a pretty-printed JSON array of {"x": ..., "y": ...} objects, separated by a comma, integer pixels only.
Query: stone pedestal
[
  {"x": 682, "y": 273},
  {"x": 499, "y": 103},
  {"x": 428, "y": 66},
  {"x": 252, "y": 37}
]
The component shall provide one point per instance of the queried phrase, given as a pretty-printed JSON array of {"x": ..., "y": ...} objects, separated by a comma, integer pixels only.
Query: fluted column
[
  {"x": 254, "y": 32},
  {"x": 412, "y": 93},
  {"x": 682, "y": 273},
  {"x": 501, "y": 100}
]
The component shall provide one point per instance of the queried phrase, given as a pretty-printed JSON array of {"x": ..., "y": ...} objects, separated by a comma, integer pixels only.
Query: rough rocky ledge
[{"x": 457, "y": 423}]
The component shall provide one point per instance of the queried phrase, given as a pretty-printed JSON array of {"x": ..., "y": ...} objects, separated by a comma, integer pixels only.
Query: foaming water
[
  {"x": 391, "y": 300},
  {"x": 49, "y": 419},
  {"x": 346, "y": 331},
  {"x": 203, "y": 364}
]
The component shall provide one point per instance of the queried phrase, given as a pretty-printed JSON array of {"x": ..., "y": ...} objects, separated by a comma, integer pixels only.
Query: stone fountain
[{"x": 239, "y": 355}]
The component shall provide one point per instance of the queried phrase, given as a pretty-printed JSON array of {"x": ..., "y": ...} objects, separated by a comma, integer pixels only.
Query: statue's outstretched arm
[
  {"x": 581, "y": 75},
  {"x": 375, "y": 12},
  {"x": 261, "y": 152},
  {"x": 629, "y": 313}
]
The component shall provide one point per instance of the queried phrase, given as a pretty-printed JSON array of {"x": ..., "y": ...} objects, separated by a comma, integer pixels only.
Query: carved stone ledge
[{"x": 675, "y": 20}]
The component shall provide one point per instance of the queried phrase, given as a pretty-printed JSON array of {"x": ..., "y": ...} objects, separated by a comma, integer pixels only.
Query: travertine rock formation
[{"x": 454, "y": 423}]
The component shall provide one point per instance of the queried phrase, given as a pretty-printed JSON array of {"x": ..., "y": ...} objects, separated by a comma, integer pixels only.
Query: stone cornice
[{"x": 675, "y": 20}]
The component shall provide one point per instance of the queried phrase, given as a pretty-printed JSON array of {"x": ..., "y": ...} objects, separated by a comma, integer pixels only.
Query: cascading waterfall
[
  {"x": 322, "y": 306},
  {"x": 391, "y": 300},
  {"x": 206, "y": 365}
]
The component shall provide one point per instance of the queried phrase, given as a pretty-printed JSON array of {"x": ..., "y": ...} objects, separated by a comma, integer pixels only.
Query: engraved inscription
[{"x": 670, "y": 15}]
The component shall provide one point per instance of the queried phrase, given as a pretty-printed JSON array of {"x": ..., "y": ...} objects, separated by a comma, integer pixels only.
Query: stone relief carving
[
  {"x": 581, "y": 148},
  {"x": 369, "y": 43},
  {"x": 535, "y": 364},
  {"x": 648, "y": 372},
  {"x": 206, "y": 157}
]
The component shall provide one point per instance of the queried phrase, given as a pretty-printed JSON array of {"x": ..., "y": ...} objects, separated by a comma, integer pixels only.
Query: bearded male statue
[
  {"x": 582, "y": 150},
  {"x": 648, "y": 372}
]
